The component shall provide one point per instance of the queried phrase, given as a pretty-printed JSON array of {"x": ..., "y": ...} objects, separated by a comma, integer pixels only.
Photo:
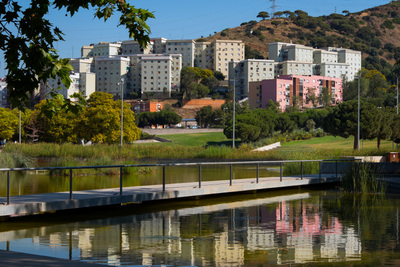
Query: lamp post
[
  {"x": 122, "y": 107},
  {"x": 358, "y": 115},
  {"x": 234, "y": 111}
]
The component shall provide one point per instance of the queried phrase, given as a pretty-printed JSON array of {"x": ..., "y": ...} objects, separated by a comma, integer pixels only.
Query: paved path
[{"x": 41, "y": 203}]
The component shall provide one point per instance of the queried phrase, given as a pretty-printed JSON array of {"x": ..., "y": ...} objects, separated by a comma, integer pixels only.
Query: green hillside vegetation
[{"x": 375, "y": 32}]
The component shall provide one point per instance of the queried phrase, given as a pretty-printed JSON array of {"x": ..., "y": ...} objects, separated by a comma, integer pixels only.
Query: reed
[
  {"x": 15, "y": 160},
  {"x": 362, "y": 178}
]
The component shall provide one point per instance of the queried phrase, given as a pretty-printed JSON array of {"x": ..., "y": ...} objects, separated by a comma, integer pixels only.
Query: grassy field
[
  {"x": 320, "y": 143},
  {"x": 199, "y": 146},
  {"x": 199, "y": 139}
]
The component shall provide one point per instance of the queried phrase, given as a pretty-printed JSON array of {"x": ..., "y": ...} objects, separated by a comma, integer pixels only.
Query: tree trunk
[
  {"x": 378, "y": 143},
  {"x": 355, "y": 146}
]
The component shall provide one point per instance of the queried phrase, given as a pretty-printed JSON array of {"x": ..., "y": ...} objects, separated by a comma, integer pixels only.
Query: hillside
[{"x": 375, "y": 32}]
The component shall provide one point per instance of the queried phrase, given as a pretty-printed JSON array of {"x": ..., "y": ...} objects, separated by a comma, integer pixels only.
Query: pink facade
[{"x": 286, "y": 88}]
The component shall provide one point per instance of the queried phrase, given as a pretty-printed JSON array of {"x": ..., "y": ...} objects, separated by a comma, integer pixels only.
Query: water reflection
[{"x": 292, "y": 229}]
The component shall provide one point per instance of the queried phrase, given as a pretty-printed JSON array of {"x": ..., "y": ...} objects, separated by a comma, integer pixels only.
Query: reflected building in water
[{"x": 283, "y": 233}]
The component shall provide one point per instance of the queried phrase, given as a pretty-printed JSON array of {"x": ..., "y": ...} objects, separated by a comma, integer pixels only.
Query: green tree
[
  {"x": 8, "y": 123},
  {"x": 325, "y": 97},
  {"x": 205, "y": 117},
  {"x": 384, "y": 118},
  {"x": 27, "y": 39},
  {"x": 343, "y": 120},
  {"x": 263, "y": 15},
  {"x": 167, "y": 117},
  {"x": 55, "y": 122},
  {"x": 101, "y": 121},
  {"x": 219, "y": 75},
  {"x": 210, "y": 82}
]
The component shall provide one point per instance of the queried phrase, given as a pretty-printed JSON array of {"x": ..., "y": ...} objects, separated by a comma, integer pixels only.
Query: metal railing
[{"x": 199, "y": 164}]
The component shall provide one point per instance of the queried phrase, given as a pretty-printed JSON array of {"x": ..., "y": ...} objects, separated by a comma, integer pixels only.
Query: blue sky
[{"x": 178, "y": 19}]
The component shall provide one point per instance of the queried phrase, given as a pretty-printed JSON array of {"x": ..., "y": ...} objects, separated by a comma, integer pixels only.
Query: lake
[{"x": 275, "y": 227}]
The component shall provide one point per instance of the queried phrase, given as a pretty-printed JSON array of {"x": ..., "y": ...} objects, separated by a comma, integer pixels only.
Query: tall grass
[
  {"x": 363, "y": 178},
  {"x": 15, "y": 160}
]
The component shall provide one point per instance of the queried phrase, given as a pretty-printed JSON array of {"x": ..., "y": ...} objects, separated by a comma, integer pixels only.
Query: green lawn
[
  {"x": 331, "y": 142},
  {"x": 198, "y": 139}
]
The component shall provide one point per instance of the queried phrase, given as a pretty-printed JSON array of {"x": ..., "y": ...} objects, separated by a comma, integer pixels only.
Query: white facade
[
  {"x": 160, "y": 74},
  {"x": 3, "y": 94},
  {"x": 184, "y": 47},
  {"x": 250, "y": 70},
  {"x": 131, "y": 47},
  {"x": 204, "y": 55},
  {"x": 150, "y": 62},
  {"x": 159, "y": 45},
  {"x": 82, "y": 64},
  {"x": 295, "y": 68},
  {"x": 58, "y": 86},
  {"x": 109, "y": 72},
  {"x": 290, "y": 52},
  {"x": 105, "y": 49},
  {"x": 226, "y": 51}
]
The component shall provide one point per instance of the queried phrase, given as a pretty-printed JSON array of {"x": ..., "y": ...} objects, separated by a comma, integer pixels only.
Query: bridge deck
[{"x": 51, "y": 202}]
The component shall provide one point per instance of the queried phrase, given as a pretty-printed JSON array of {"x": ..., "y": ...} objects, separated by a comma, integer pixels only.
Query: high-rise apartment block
[
  {"x": 294, "y": 59},
  {"x": 154, "y": 70},
  {"x": 305, "y": 90}
]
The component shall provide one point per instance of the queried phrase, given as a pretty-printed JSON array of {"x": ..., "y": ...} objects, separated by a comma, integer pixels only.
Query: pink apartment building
[{"x": 284, "y": 89}]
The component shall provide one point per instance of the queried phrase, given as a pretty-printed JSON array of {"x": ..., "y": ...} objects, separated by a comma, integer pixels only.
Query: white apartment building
[
  {"x": 130, "y": 47},
  {"x": 184, "y": 47},
  {"x": 82, "y": 64},
  {"x": 324, "y": 56},
  {"x": 334, "y": 70},
  {"x": 87, "y": 51},
  {"x": 295, "y": 68},
  {"x": 159, "y": 45},
  {"x": 226, "y": 51},
  {"x": 109, "y": 72},
  {"x": 106, "y": 49},
  {"x": 57, "y": 85},
  {"x": 294, "y": 59},
  {"x": 249, "y": 70},
  {"x": 3, "y": 93},
  {"x": 351, "y": 57},
  {"x": 204, "y": 55},
  {"x": 280, "y": 52},
  {"x": 135, "y": 75},
  {"x": 160, "y": 74},
  {"x": 87, "y": 83}
]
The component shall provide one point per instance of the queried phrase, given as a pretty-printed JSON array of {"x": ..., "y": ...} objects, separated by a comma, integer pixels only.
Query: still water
[
  {"x": 25, "y": 183},
  {"x": 285, "y": 227}
]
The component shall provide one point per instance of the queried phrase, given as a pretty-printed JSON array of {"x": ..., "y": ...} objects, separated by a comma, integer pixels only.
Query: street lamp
[
  {"x": 122, "y": 107},
  {"x": 358, "y": 115}
]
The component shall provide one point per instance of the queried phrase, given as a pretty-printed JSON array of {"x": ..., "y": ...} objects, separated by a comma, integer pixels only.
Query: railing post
[
  {"x": 231, "y": 173},
  {"x": 8, "y": 187},
  {"x": 163, "y": 178},
  {"x": 281, "y": 171},
  {"x": 70, "y": 184},
  {"x": 120, "y": 181},
  {"x": 199, "y": 176},
  {"x": 258, "y": 171},
  {"x": 301, "y": 170},
  {"x": 320, "y": 171},
  {"x": 336, "y": 169}
]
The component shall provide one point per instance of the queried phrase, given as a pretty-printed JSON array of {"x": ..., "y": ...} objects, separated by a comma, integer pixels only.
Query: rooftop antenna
[{"x": 274, "y": 6}]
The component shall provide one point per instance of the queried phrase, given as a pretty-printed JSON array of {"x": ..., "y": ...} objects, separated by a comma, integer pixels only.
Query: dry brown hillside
[{"x": 375, "y": 32}]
